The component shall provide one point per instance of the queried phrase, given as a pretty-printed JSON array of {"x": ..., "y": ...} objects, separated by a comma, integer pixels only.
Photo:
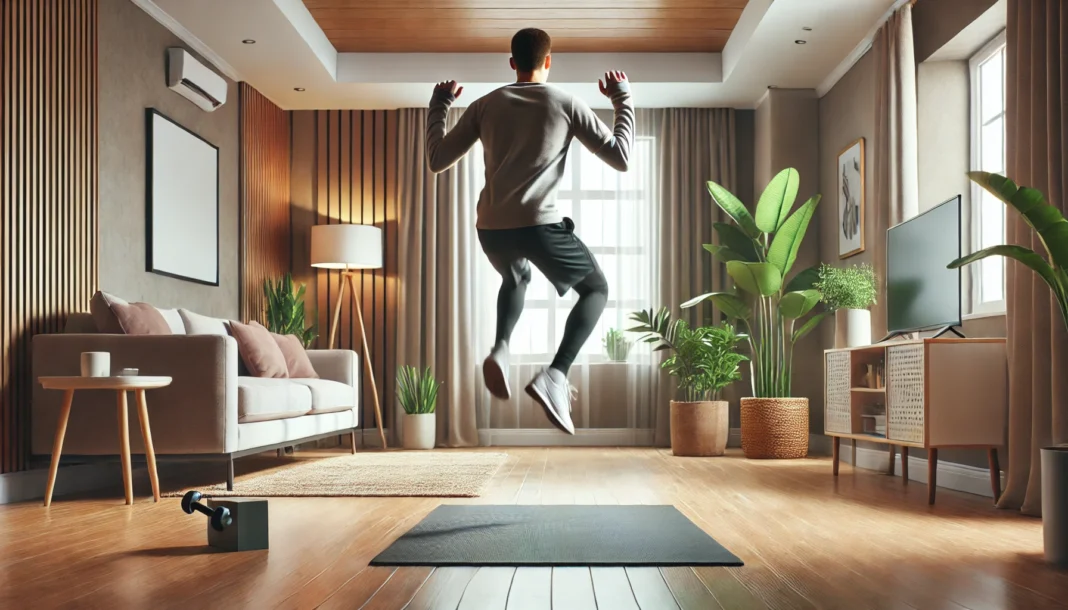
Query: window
[
  {"x": 987, "y": 218},
  {"x": 615, "y": 216}
]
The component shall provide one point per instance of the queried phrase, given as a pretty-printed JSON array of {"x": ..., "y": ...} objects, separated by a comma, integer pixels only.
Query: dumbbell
[{"x": 220, "y": 516}]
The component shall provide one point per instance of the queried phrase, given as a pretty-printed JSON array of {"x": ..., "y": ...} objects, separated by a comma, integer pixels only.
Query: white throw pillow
[
  {"x": 196, "y": 324},
  {"x": 173, "y": 319}
]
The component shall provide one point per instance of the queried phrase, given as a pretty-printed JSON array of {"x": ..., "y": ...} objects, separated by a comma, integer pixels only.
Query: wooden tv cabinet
[{"x": 935, "y": 393}]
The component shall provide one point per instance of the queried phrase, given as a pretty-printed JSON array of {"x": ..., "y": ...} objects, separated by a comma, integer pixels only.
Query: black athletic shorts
[{"x": 554, "y": 249}]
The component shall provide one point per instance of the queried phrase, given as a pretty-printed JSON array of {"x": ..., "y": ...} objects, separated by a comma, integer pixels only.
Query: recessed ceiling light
[
  {"x": 298, "y": 88},
  {"x": 800, "y": 42},
  {"x": 248, "y": 41},
  {"x": 807, "y": 29}
]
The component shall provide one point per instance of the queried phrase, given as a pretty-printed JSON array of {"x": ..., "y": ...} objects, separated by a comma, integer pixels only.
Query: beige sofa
[{"x": 210, "y": 410}]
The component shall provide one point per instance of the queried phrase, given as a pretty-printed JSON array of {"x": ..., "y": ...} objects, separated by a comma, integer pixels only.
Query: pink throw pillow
[
  {"x": 140, "y": 319},
  {"x": 297, "y": 362},
  {"x": 258, "y": 350}
]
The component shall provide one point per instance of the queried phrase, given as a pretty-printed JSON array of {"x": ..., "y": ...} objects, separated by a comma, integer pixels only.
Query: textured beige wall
[
  {"x": 132, "y": 58},
  {"x": 936, "y": 22}
]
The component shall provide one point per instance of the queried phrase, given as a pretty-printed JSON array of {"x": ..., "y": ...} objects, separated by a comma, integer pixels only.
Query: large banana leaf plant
[
  {"x": 759, "y": 253},
  {"x": 1045, "y": 219}
]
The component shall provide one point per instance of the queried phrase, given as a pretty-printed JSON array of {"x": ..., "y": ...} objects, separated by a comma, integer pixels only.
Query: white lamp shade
[{"x": 346, "y": 246}]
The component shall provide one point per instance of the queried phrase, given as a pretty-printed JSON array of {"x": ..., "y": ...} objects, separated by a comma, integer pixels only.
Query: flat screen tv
[{"x": 921, "y": 293}]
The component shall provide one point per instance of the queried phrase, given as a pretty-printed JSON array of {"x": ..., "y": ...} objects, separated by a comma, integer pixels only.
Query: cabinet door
[
  {"x": 837, "y": 384},
  {"x": 904, "y": 393}
]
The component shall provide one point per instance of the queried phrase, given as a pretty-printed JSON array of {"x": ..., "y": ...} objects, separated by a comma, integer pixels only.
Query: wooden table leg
[
  {"x": 853, "y": 456},
  {"x": 904, "y": 465},
  {"x": 932, "y": 474},
  {"x": 995, "y": 474},
  {"x": 57, "y": 445},
  {"x": 835, "y": 449},
  {"x": 893, "y": 458},
  {"x": 150, "y": 451},
  {"x": 124, "y": 447}
]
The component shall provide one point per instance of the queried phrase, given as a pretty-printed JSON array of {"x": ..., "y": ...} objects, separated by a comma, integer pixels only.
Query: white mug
[{"x": 96, "y": 364}]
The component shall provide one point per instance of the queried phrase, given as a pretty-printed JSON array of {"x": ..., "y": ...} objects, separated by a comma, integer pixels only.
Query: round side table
[{"x": 121, "y": 385}]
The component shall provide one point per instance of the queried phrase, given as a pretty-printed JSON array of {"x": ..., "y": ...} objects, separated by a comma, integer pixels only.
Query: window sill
[{"x": 983, "y": 314}]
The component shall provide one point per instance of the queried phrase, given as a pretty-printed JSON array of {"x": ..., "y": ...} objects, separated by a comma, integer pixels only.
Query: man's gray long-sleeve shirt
[{"x": 526, "y": 129}]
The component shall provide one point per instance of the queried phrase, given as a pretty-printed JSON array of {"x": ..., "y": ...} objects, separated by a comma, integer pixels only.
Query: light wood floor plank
[
  {"x": 650, "y": 589},
  {"x": 573, "y": 589},
  {"x": 399, "y": 589},
  {"x": 488, "y": 589},
  {"x": 689, "y": 591},
  {"x": 612, "y": 589},
  {"x": 443, "y": 590},
  {"x": 531, "y": 589}
]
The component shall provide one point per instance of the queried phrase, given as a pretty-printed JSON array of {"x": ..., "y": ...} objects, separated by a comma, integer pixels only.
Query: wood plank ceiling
[{"x": 487, "y": 26}]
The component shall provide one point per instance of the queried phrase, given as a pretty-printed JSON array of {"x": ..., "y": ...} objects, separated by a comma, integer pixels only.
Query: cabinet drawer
[{"x": 904, "y": 393}]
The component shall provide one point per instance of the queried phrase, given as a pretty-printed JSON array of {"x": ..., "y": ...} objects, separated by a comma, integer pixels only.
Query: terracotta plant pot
[
  {"x": 699, "y": 429},
  {"x": 420, "y": 431},
  {"x": 775, "y": 428}
]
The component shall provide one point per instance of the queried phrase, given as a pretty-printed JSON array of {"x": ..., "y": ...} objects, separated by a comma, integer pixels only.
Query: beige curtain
[
  {"x": 895, "y": 143},
  {"x": 696, "y": 145},
  {"x": 438, "y": 307},
  {"x": 1037, "y": 147}
]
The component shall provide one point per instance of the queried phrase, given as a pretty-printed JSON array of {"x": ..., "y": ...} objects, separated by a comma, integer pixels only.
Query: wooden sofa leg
[
  {"x": 229, "y": 473},
  {"x": 352, "y": 436}
]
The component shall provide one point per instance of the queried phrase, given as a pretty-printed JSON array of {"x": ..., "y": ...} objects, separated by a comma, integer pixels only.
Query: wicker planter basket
[
  {"x": 775, "y": 428},
  {"x": 699, "y": 429}
]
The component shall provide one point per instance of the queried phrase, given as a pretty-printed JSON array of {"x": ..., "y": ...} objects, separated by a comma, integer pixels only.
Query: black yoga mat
[{"x": 555, "y": 535}]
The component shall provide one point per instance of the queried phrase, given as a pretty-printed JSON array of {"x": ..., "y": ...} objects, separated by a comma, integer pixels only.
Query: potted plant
[
  {"x": 1052, "y": 229},
  {"x": 759, "y": 253},
  {"x": 284, "y": 309},
  {"x": 617, "y": 346},
  {"x": 848, "y": 292},
  {"x": 417, "y": 393},
  {"x": 704, "y": 360}
]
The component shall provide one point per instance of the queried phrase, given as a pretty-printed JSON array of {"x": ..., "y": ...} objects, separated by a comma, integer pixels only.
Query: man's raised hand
[
  {"x": 610, "y": 84},
  {"x": 448, "y": 88}
]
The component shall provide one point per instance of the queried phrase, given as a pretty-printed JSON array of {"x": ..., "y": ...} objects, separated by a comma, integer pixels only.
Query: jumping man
[{"x": 526, "y": 129}]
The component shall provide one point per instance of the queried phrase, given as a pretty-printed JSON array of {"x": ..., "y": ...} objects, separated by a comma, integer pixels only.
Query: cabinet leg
[
  {"x": 836, "y": 444},
  {"x": 904, "y": 465},
  {"x": 932, "y": 474},
  {"x": 853, "y": 453},
  {"x": 995, "y": 474},
  {"x": 893, "y": 458}
]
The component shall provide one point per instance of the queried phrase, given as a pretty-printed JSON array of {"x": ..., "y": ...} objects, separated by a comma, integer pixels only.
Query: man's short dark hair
[{"x": 530, "y": 47}]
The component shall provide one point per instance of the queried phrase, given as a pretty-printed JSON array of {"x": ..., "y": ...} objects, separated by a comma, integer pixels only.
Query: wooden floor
[{"x": 808, "y": 541}]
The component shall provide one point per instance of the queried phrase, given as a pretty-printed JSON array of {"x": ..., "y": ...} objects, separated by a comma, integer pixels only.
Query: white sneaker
[
  {"x": 494, "y": 373},
  {"x": 554, "y": 396}
]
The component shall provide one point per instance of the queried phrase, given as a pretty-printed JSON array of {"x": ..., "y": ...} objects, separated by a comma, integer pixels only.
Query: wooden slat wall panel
[
  {"x": 355, "y": 180},
  {"x": 265, "y": 209},
  {"x": 48, "y": 190}
]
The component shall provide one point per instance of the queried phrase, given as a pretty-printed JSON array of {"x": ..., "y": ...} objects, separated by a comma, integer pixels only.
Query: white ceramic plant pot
[
  {"x": 420, "y": 431},
  {"x": 852, "y": 328}
]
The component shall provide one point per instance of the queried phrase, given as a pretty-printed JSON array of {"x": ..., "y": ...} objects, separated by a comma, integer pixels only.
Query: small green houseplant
[
  {"x": 704, "y": 360},
  {"x": 849, "y": 292},
  {"x": 617, "y": 346},
  {"x": 759, "y": 252},
  {"x": 284, "y": 309},
  {"x": 417, "y": 393}
]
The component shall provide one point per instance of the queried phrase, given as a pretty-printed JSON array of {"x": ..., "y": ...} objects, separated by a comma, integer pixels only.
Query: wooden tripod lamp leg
[
  {"x": 337, "y": 307},
  {"x": 367, "y": 359}
]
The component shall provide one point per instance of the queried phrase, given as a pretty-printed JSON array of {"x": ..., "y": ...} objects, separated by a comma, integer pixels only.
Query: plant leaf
[
  {"x": 787, "y": 241},
  {"x": 724, "y": 254},
  {"x": 810, "y": 325},
  {"x": 762, "y": 279},
  {"x": 804, "y": 280},
  {"x": 1046, "y": 220},
  {"x": 734, "y": 208},
  {"x": 1028, "y": 257},
  {"x": 796, "y": 304},
  {"x": 777, "y": 200},
  {"x": 728, "y": 303},
  {"x": 736, "y": 241}
]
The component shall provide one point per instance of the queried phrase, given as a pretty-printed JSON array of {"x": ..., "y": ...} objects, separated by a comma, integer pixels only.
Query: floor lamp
[{"x": 350, "y": 248}]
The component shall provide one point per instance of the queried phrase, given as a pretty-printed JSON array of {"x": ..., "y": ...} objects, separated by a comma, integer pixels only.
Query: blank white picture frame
[{"x": 182, "y": 192}]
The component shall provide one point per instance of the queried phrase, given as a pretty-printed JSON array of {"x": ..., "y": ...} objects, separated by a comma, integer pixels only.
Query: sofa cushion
[
  {"x": 173, "y": 319},
  {"x": 328, "y": 396},
  {"x": 263, "y": 399},
  {"x": 258, "y": 350},
  {"x": 297, "y": 362},
  {"x": 111, "y": 315},
  {"x": 140, "y": 319},
  {"x": 196, "y": 324}
]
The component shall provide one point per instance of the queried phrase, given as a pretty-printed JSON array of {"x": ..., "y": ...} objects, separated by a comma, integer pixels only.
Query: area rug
[
  {"x": 399, "y": 473},
  {"x": 550, "y": 535}
]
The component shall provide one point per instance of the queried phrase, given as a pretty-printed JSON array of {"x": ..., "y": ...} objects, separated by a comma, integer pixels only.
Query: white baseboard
[
  {"x": 957, "y": 477},
  {"x": 30, "y": 484},
  {"x": 602, "y": 437}
]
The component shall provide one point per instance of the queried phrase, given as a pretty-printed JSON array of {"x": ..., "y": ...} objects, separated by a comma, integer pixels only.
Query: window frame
[{"x": 974, "y": 306}]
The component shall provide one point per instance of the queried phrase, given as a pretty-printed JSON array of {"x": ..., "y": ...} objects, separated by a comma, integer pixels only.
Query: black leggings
[{"x": 593, "y": 295}]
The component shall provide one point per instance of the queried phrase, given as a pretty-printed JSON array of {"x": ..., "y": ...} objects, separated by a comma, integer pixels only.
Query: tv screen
[{"x": 921, "y": 293}]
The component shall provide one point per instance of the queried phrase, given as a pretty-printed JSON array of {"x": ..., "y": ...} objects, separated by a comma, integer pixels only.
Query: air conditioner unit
[{"x": 193, "y": 80}]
